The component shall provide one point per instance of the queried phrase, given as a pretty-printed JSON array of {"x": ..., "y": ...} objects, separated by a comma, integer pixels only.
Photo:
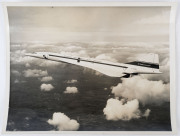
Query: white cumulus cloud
[
  {"x": 147, "y": 112},
  {"x": 46, "y": 87},
  {"x": 46, "y": 79},
  {"x": 117, "y": 110},
  {"x": 71, "y": 90},
  {"x": 63, "y": 122},
  {"x": 142, "y": 89},
  {"x": 34, "y": 73}
]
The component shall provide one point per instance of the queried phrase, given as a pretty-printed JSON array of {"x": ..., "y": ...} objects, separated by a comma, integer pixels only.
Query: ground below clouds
[{"x": 30, "y": 108}]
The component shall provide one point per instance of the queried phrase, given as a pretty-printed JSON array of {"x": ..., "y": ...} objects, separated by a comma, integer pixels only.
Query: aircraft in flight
[{"x": 149, "y": 64}]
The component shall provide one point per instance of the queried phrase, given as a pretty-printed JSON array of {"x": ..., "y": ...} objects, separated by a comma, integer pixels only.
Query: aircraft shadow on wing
[{"x": 149, "y": 64}]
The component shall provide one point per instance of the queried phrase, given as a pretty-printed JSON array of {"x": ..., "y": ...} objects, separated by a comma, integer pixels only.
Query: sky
[{"x": 78, "y": 24}]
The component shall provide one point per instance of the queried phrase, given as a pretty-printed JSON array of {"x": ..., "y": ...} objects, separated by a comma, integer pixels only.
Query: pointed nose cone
[
  {"x": 29, "y": 54},
  {"x": 36, "y": 55}
]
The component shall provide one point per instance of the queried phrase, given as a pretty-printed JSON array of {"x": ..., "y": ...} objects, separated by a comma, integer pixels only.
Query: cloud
[
  {"x": 46, "y": 79},
  {"x": 145, "y": 91},
  {"x": 163, "y": 18},
  {"x": 147, "y": 112},
  {"x": 46, "y": 63},
  {"x": 18, "y": 57},
  {"x": 119, "y": 110},
  {"x": 16, "y": 81},
  {"x": 72, "y": 47},
  {"x": 105, "y": 57},
  {"x": 108, "y": 51},
  {"x": 71, "y": 90},
  {"x": 22, "y": 60},
  {"x": 20, "y": 51},
  {"x": 15, "y": 45},
  {"x": 80, "y": 53},
  {"x": 19, "y": 81},
  {"x": 46, "y": 87},
  {"x": 39, "y": 45},
  {"x": 71, "y": 81},
  {"x": 16, "y": 73},
  {"x": 35, "y": 73},
  {"x": 27, "y": 65},
  {"x": 131, "y": 51},
  {"x": 63, "y": 122}
]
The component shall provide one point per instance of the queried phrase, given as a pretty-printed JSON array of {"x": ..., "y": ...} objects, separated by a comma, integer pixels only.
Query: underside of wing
[{"x": 106, "y": 68}]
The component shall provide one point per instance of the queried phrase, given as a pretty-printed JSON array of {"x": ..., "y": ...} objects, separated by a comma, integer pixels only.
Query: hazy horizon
[{"x": 89, "y": 24}]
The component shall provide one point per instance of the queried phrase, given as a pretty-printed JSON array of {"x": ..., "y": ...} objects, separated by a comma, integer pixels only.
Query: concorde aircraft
[{"x": 149, "y": 64}]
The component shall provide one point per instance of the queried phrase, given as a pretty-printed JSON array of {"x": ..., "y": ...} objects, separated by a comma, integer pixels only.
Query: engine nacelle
[{"x": 130, "y": 75}]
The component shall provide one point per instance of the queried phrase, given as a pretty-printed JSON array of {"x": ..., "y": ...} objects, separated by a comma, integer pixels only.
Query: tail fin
[{"x": 150, "y": 60}]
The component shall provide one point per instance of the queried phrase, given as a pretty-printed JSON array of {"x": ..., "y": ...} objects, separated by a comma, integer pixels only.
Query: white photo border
[{"x": 173, "y": 105}]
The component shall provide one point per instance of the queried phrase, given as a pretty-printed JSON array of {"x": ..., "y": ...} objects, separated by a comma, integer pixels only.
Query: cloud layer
[
  {"x": 34, "y": 73},
  {"x": 63, "y": 122},
  {"x": 105, "y": 57},
  {"x": 46, "y": 87},
  {"x": 145, "y": 91},
  {"x": 71, "y": 90}
]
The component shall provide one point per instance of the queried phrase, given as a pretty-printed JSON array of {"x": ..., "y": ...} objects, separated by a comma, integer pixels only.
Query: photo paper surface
[{"x": 89, "y": 69}]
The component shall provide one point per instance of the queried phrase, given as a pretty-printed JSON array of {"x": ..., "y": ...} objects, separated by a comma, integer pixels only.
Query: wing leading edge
[{"x": 104, "y": 67}]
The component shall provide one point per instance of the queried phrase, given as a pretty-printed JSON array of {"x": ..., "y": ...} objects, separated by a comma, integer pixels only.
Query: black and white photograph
[{"x": 89, "y": 68}]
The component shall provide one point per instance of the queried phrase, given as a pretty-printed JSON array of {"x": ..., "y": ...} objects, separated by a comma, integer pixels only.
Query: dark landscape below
[{"x": 30, "y": 108}]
